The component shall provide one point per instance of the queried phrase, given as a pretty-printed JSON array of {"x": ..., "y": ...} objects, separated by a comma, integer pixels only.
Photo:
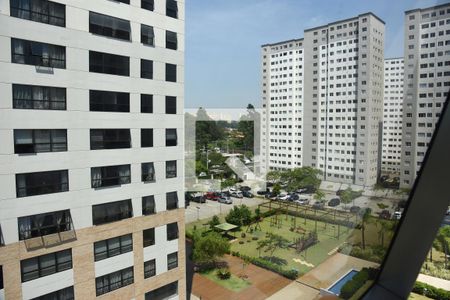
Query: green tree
[
  {"x": 365, "y": 219},
  {"x": 209, "y": 248},
  {"x": 214, "y": 221},
  {"x": 276, "y": 189},
  {"x": 272, "y": 242},
  {"x": 385, "y": 226},
  {"x": 227, "y": 183},
  {"x": 273, "y": 175},
  {"x": 298, "y": 178},
  {"x": 319, "y": 195},
  {"x": 239, "y": 215},
  {"x": 442, "y": 242},
  {"x": 346, "y": 196}
]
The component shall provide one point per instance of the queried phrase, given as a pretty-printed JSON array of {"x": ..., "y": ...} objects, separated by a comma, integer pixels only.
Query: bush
[
  {"x": 255, "y": 238},
  {"x": 243, "y": 235},
  {"x": 353, "y": 285},
  {"x": 241, "y": 242},
  {"x": 265, "y": 264},
  {"x": 223, "y": 273},
  {"x": 430, "y": 291}
]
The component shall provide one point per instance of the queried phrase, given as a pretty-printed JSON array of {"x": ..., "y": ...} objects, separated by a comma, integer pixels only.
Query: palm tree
[
  {"x": 385, "y": 227},
  {"x": 365, "y": 219}
]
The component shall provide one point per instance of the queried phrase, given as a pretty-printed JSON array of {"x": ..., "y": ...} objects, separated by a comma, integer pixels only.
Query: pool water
[{"x": 336, "y": 287}]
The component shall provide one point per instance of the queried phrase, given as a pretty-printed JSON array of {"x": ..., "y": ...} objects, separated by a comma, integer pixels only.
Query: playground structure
[{"x": 304, "y": 242}]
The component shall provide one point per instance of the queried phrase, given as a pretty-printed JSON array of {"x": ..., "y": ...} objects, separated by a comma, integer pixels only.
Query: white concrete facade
[{"x": 392, "y": 115}]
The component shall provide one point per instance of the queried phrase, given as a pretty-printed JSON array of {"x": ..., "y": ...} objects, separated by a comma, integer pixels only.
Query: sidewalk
[{"x": 434, "y": 281}]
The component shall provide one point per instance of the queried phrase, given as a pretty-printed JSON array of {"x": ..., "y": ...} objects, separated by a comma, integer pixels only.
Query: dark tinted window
[
  {"x": 40, "y": 140},
  {"x": 45, "y": 265},
  {"x": 38, "y": 54},
  {"x": 171, "y": 137},
  {"x": 171, "y": 40},
  {"x": 149, "y": 268},
  {"x": 64, "y": 294},
  {"x": 1, "y": 278},
  {"x": 171, "y": 8},
  {"x": 171, "y": 73},
  {"x": 164, "y": 292},
  {"x": 146, "y": 69},
  {"x": 171, "y": 169},
  {"x": 109, "y": 101},
  {"x": 123, "y": 1},
  {"x": 39, "y": 183},
  {"x": 172, "y": 231},
  {"x": 113, "y": 281},
  {"x": 146, "y": 103},
  {"x": 110, "y": 176},
  {"x": 148, "y": 4},
  {"x": 148, "y": 172},
  {"x": 112, "y": 247},
  {"x": 38, "y": 97},
  {"x": 171, "y": 200},
  {"x": 109, "y": 63},
  {"x": 148, "y": 205},
  {"x": 147, "y": 35},
  {"x": 172, "y": 260},
  {"x": 42, "y": 11},
  {"x": 111, "y": 212},
  {"x": 110, "y": 139},
  {"x": 146, "y": 138},
  {"x": 171, "y": 105},
  {"x": 149, "y": 237},
  {"x": 44, "y": 224},
  {"x": 109, "y": 26}
]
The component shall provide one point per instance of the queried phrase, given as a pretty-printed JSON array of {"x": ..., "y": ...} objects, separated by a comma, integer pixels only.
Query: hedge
[
  {"x": 431, "y": 291},
  {"x": 353, "y": 285},
  {"x": 265, "y": 264}
]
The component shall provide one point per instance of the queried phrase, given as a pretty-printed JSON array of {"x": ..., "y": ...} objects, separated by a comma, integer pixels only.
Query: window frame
[
  {"x": 172, "y": 235},
  {"x": 150, "y": 234},
  {"x": 171, "y": 105},
  {"x": 171, "y": 40},
  {"x": 46, "y": 104},
  {"x": 116, "y": 180},
  {"x": 146, "y": 177},
  {"x": 172, "y": 264},
  {"x": 98, "y": 101},
  {"x": 146, "y": 73},
  {"x": 117, "y": 138},
  {"x": 115, "y": 31},
  {"x": 171, "y": 72},
  {"x": 118, "y": 216},
  {"x": 147, "y": 133},
  {"x": 146, "y": 209},
  {"x": 149, "y": 268},
  {"x": 63, "y": 183},
  {"x": 28, "y": 231},
  {"x": 172, "y": 9},
  {"x": 32, "y": 57},
  {"x": 112, "y": 286},
  {"x": 148, "y": 38},
  {"x": 148, "y": 5},
  {"x": 172, "y": 200},
  {"x": 31, "y": 147},
  {"x": 59, "y": 294},
  {"x": 58, "y": 266},
  {"x": 169, "y": 133},
  {"x": 40, "y": 16},
  {"x": 171, "y": 172},
  {"x": 108, "y": 63},
  {"x": 110, "y": 252},
  {"x": 145, "y": 107}
]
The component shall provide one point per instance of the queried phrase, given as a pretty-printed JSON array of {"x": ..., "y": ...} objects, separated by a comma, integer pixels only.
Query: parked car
[
  {"x": 271, "y": 195},
  {"x": 212, "y": 196},
  {"x": 226, "y": 193},
  {"x": 385, "y": 214},
  {"x": 307, "y": 190},
  {"x": 202, "y": 174},
  {"x": 247, "y": 194},
  {"x": 283, "y": 197},
  {"x": 262, "y": 192},
  {"x": 355, "y": 209},
  {"x": 302, "y": 201},
  {"x": 236, "y": 194},
  {"x": 232, "y": 189},
  {"x": 339, "y": 192},
  {"x": 245, "y": 188},
  {"x": 293, "y": 197},
  {"x": 397, "y": 215},
  {"x": 225, "y": 199},
  {"x": 319, "y": 205},
  {"x": 334, "y": 202}
]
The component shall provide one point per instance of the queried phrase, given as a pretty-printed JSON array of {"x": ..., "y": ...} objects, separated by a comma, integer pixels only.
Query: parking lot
[{"x": 198, "y": 211}]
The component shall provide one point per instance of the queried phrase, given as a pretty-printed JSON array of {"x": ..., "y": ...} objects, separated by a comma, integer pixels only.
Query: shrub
[
  {"x": 353, "y": 285},
  {"x": 243, "y": 235},
  {"x": 223, "y": 273},
  {"x": 255, "y": 238},
  {"x": 430, "y": 291},
  {"x": 241, "y": 242},
  {"x": 265, "y": 264}
]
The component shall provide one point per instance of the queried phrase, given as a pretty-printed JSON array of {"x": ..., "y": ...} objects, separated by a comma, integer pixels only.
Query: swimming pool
[{"x": 336, "y": 287}]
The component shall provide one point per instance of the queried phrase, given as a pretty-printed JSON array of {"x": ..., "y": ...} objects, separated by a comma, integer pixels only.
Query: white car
[
  {"x": 283, "y": 197},
  {"x": 302, "y": 201},
  {"x": 232, "y": 189},
  {"x": 236, "y": 194},
  {"x": 397, "y": 215}
]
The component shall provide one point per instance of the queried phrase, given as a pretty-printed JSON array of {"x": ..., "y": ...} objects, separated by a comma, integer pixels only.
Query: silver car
[{"x": 225, "y": 199}]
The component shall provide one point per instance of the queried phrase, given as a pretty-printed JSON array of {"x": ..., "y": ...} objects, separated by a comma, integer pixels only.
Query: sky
[{"x": 224, "y": 38}]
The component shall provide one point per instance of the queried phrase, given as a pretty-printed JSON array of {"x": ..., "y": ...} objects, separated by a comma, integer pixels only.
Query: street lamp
[{"x": 198, "y": 212}]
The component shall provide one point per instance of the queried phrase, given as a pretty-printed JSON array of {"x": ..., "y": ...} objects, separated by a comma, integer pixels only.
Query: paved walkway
[
  {"x": 264, "y": 283},
  {"x": 434, "y": 281}
]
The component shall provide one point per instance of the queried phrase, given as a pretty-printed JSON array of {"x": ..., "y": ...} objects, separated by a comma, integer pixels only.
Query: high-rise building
[
  {"x": 336, "y": 102},
  {"x": 426, "y": 83},
  {"x": 392, "y": 116},
  {"x": 282, "y": 67},
  {"x": 91, "y": 127}
]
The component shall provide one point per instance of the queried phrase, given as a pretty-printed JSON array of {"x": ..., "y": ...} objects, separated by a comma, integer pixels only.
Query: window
[
  {"x": 44, "y": 224},
  {"x": 42, "y": 11},
  {"x": 38, "y": 54},
  {"x": 148, "y": 4},
  {"x": 109, "y": 26},
  {"x": 171, "y": 9},
  {"x": 64, "y": 294},
  {"x": 148, "y": 172},
  {"x": 171, "y": 40},
  {"x": 109, "y": 101},
  {"x": 171, "y": 200},
  {"x": 147, "y": 35},
  {"x": 113, "y": 281},
  {"x": 148, "y": 205},
  {"x": 146, "y": 68},
  {"x": 110, "y": 176},
  {"x": 39, "y": 183},
  {"x": 40, "y": 140},
  {"x": 112, "y": 247},
  {"x": 149, "y": 268},
  {"x": 111, "y": 212},
  {"x": 172, "y": 260},
  {"x": 164, "y": 292},
  {"x": 45, "y": 265},
  {"x": 171, "y": 105},
  {"x": 109, "y": 63},
  {"x": 171, "y": 73},
  {"x": 171, "y": 137},
  {"x": 123, "y": 1},
  {"x": 171, "y": 169},
  {"x": 172, "y": 231},
  {"x": 149, "y": 237},
  {"x": 146, "y": 138},
  {"x": 1, "y": 278},
  {"x": 110, "y": 139},
  {"x": 38, "y": 97},
  {"x": 146, "y": 103}
]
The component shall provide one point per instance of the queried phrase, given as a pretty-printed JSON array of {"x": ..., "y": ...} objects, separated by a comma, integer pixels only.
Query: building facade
[
  {"x": 426, "y": 83},
  {"x": 340, "y": 106},
  {"x": 392, "y": 116},
  {"x": 91, "y": 124}
]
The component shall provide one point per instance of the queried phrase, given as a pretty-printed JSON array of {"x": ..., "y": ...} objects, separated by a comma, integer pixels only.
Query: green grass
[{"x": 234, "y": 283}]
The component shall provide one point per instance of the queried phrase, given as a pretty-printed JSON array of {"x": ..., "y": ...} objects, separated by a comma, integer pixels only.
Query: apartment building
[
  {"x": 426, "y": 83},
  {"x": 282, "y": 96},
  {"x": 392, "y": 116},
  {"x": 336, "y": 102},
  {"x": 91, "y": 152}
]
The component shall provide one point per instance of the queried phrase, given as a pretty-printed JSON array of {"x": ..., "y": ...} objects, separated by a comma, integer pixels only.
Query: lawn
[{"x": 234, "y": 283}]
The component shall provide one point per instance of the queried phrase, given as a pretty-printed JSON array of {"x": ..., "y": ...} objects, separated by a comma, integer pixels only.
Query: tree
[
  {"x": 276, "y": 189},
  {"x": 442, "y": 242},
  {"x": 365, "y": 219},
  {"x": 273, "y": 175},
  {"x": 382, "y": 206},
  {"x": 210, "y": 247},
  {"x": 319, "y": 195},
  {"x": 227, "y": 183},
  {"x": 214, "y": 221},
  {"x": 300, "y": 178},
  {"x": 273, "y": 242},
  {"x": 385, "y": 227},
  {"x": 239, "y": 215},
  {"x": 346, "y": 196}
]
